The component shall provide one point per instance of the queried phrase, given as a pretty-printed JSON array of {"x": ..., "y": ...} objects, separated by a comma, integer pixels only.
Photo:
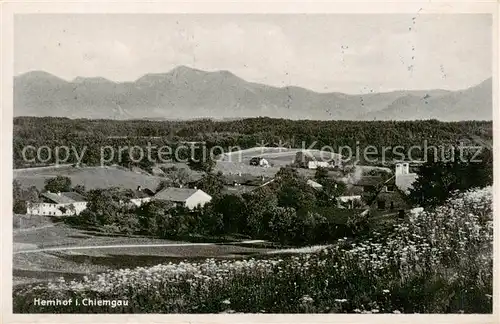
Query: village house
[
  {"x": 317, "y": 164},
  {"x": 239, "y": 183},
  {"x": 350, "y": 201},
  {"x": 186, "y": 197},
  {"x": 378, "y": 192},
  {"x": 58, "y": 204},
  {"x": 390, "y": 198},
  {"x": 259, "y": 161},
  {"x": 369, "y": 183},
  {"x": 313, "y": 160},
  {"x": 314, "y": 184},
  {"x": 404, "y": 178},
  {"x": 141, "y": 196},
  {"x": 351, "y": 197}
]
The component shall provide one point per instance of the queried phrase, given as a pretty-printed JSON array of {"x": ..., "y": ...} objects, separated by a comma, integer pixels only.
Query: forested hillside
[{"x": 245, "y": 133}]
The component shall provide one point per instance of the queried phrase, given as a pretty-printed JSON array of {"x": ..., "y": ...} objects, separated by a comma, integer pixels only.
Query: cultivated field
[
  {"x": 227, "y": 167},
  {"x": 277, "y": 156},
  {"x": 239, "y": 161},
  {"x": 90, "y": 177}
]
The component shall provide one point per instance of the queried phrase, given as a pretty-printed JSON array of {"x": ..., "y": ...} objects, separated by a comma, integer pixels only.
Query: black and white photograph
[{"x": 252, "y": 163}]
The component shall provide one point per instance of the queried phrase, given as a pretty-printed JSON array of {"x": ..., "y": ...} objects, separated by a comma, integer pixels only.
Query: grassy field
[
  {"x": 277, "y": 156},
  {"x": 111, "y": 176},
  {"x": 239, "y": 161},
  {"x": 25, "y": 222},
  {"x": 227, "y": 167},
  {"x": 90, "y": 177},
  {"x": 75, "y": 263}
]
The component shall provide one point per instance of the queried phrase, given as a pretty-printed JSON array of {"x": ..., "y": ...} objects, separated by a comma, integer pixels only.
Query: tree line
[
  {"x": 287, "y": 210},
  {"x": 244, "y": 133}
]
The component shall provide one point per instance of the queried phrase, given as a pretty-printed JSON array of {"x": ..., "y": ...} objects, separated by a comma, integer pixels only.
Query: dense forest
[{"x": 244, "y": 133}]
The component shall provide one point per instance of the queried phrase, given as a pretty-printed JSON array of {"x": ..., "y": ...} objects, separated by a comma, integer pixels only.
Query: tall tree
[
  {"x": 321, "y": 174},
  {"x": 212, "y": 183},
  {"x": 80, "y": 189},
  {"x": 293, "y": 190},
  {"x": 438, "y": 179},
  {"x": 179, "y": 177},
  {"x": 201, "y": 161},
  {"x": 58, "y": 184},
  {"x": 234, "y": 213}
]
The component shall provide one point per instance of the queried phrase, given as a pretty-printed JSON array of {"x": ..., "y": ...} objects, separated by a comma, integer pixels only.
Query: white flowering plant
[{"x": 436, "y": 261}]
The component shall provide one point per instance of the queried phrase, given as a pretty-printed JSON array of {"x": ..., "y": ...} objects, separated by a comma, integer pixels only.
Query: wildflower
[
  {"x": 435, "y": 234},
  {"x": 306, "y": 299}
]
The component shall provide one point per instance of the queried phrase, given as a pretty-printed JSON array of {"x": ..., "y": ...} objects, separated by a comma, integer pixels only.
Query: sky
[{"x": 350, "y": 53}]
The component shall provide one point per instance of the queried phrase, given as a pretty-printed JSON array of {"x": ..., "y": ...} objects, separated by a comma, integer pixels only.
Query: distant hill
[
  {"x": 186, "y": 93},
  {"x": 473, "y": 103}
]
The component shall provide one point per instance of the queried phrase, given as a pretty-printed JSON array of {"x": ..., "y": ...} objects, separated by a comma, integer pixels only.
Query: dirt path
[{"x": 69, "y": 248}]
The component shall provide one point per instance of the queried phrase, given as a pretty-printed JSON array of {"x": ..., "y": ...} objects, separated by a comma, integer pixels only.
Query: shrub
[{"x": 58, "y": 184}]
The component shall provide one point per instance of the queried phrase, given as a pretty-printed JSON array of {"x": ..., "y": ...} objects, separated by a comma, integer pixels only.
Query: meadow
[
  {"x": 54, "y": 250},
  {"x": 435, "y": 261},
  {"x": 278, "y": 156},
  {"x": 90, "y": 177}
]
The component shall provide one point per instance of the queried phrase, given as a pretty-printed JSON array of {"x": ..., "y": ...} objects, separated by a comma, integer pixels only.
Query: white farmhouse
[
  {"x": 317, "y": 164},
  {"x": 138, "y": 201},
  {"x": 58, "y": 204},
  {"x": 186, "y": 197},
  {"x": 404, "y": 179},
  {"x": 314, "y": 184},
  {"x": 348, "y": 200},
  {"x": 264, "y": 163},
  {"x": 259, "y": 161},
  {"x": 141, "y": 196}
]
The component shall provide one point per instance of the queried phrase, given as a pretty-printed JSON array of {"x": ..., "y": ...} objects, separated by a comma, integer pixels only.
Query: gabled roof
[
  {"x": 64, "y": 197},
  {"x": 175, "y": 194},
  {"x": 405, "y": 182},
  {"x": 141, "y": 194},
  {"x": 351, "y": 190},
  {"x": 148, "y": 191},
  {"x": 370, "y": 181},
  {"x": 349, "y": 198},
  {"x": 314, "y": 184}
]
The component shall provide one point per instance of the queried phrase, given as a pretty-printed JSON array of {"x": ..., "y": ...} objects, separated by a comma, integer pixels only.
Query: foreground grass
[{"x": 435, "y": 262}]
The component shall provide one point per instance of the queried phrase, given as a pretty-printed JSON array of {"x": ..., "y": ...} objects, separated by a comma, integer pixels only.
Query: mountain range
[{"x": 186, "y": 93}]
